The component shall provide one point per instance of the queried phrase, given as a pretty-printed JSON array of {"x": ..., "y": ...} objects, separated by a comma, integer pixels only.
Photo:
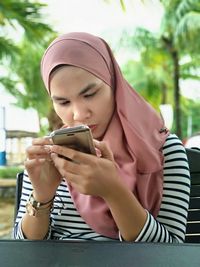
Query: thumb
[{"x": 105, "y": 151}]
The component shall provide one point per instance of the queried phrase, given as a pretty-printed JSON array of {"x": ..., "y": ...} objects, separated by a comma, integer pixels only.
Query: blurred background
[{"x": 156, "y": 43}]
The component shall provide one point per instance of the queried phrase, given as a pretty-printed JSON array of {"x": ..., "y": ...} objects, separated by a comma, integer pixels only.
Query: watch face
[
  {"x": 30, "y": 209},
  {"x": 34, "y": 203}
]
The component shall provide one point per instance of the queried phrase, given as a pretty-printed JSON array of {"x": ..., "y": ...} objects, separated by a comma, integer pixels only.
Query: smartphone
[{"x": 78, "y": 138}]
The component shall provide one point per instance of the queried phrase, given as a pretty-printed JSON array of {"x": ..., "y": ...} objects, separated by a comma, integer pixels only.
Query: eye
[
  {"x": 64, "y": 103},
  {"x": 90, "y": 95}
]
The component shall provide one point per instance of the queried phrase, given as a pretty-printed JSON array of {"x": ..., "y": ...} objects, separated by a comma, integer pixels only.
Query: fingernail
[
  {"x": 53, "y": 155},
  {"x": 47, "y": 148},
  {"x": 41, "y": 160}
]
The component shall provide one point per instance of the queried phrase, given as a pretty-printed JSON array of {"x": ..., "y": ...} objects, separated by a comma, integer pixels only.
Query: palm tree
[
  {"x": 25, "y": 17},
  {"x": 26, "y": 85},
  {"x": 179, "y": 35},
  {"x": 22, "y": 18},
  {"x": 180, "y": 27},
  {"x": 150, "y": 74}
]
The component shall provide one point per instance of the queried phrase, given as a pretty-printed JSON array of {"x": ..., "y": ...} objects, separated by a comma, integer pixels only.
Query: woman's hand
[
  {"x": 44, "y": 177},
  {"x": 89, "y": 174}
]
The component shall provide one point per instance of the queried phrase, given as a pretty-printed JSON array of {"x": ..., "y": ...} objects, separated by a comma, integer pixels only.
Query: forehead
[
  {"x": 71, "y": 80},
  {"x": 70, "y": 73}
]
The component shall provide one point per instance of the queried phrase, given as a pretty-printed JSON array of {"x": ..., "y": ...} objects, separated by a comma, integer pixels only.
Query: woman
[{"x": 136, "y": 189}]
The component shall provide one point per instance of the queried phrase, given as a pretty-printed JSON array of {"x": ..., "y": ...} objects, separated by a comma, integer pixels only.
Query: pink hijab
[{"x": 135, "y": 134}]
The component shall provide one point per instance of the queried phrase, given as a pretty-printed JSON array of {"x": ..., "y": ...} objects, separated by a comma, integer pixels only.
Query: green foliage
[
  {"x": 190, "y": 68},
  {"x": 27, "y": 69},
  {"x": 188, "y": 31},
  {"x": 7, "y": 48},
  {"x": 181, "y": 23},
  {"x": 194, "y": 112},
  {"x": 151, "y": 74},
  {"x": 166, "y": 57},
  {"x": 25, "y": 81},
  {"x": 190, "y": 109},
  {"x": 9, "y": 171},
  {"x": 143, "y": 81},
  {"x": 22, "y": 59},
  {"x": 25, "y": 14}
]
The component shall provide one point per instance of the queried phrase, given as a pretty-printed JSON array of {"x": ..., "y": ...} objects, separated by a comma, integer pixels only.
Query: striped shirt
[{"x": 169, "y": 226}]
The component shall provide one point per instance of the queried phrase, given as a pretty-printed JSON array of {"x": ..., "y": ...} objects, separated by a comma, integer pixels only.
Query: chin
[
  {"x": 95, "y": 136},
  {"x": 98, "y": 136}
]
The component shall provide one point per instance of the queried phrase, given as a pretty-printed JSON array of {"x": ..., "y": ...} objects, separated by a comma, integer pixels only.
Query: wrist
[
  {"x": 115, "y": 192},
  {"x": 38, "y": 209},
  {"x": 44, "y": 201}
]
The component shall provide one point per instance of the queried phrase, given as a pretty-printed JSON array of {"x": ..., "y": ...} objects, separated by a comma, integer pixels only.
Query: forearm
[
  {"x": 35, "y": 228},
  {"x": 127, "y": 212}
]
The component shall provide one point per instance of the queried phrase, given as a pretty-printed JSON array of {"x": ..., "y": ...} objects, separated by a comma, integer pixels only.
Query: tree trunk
[
  {"x": 168, "y": 42},
  {"x": 177, "y": 94}
]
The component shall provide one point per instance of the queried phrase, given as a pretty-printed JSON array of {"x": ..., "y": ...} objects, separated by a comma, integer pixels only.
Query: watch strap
[
  {"x": 35, "y": 208},
  {"x": 36, "y": 203}
]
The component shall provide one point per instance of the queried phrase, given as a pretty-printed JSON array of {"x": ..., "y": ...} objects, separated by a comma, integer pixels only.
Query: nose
[{"x": 81, "y": 113}]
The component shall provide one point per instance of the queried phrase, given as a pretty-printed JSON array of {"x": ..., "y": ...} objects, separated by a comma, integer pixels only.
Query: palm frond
[
  {"x": 186, "y": 6},
  {"x": 188, "y": 30},
  {"x": 10, "y": 86},
  {"x": 24, "y": 14},
  {"x": 7, "y": 48},
  {"x": 123, "y": 6}
]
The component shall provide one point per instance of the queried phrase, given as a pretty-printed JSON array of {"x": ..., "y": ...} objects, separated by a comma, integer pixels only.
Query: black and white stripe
[{"x": 169, "y": 226}]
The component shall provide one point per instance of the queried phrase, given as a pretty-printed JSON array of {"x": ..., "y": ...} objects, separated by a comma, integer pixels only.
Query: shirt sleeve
[{"x": 170, "y": 224}]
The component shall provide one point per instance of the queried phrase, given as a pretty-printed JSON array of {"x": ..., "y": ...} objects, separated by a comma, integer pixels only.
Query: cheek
[
  {"x": 57, "y": 109},
  {"x": 108, "y": 102},
  {"x": 105, "y": 113},
  {"x": 62, "y": 113}
]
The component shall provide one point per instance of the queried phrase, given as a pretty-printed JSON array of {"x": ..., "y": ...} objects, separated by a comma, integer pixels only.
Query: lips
[{"x": 92, "y": 127}]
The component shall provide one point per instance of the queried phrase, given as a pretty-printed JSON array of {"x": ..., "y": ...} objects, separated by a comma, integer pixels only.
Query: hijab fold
[{"x": 134, "y": 132}]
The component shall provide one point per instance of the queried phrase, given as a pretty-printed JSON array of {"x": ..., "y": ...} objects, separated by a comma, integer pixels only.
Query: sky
[{"x": 96, "y": 17}]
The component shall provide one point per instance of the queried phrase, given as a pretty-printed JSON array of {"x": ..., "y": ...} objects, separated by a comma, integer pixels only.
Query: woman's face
[{"x": 79, "y": 97}]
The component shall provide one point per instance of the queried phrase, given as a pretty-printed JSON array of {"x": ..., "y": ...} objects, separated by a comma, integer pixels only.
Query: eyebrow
[{"x": 82, "y": 92}]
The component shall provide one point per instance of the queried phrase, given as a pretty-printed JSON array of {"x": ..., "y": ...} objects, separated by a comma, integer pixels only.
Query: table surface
[{"x": 14, "y": 253}]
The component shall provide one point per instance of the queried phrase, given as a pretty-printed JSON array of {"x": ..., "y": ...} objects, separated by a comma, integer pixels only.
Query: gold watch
[{"x": 35, "y": 208}]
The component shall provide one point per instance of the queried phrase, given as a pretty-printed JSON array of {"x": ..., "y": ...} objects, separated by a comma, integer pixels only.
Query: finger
[
  {"x": 72, "y": 179},
  {"x": 38, "y": 151},
  {"x": 74, "y": 155},
  {"x": 31, "y": 163},
  {"x": 66, "y": 165},
  {"x": 104, "y": 149},
  {"x": 42, "y": 141}
]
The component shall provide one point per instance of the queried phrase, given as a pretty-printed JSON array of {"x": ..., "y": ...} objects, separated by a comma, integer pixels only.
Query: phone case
[{"x": 78, "y": 137}]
